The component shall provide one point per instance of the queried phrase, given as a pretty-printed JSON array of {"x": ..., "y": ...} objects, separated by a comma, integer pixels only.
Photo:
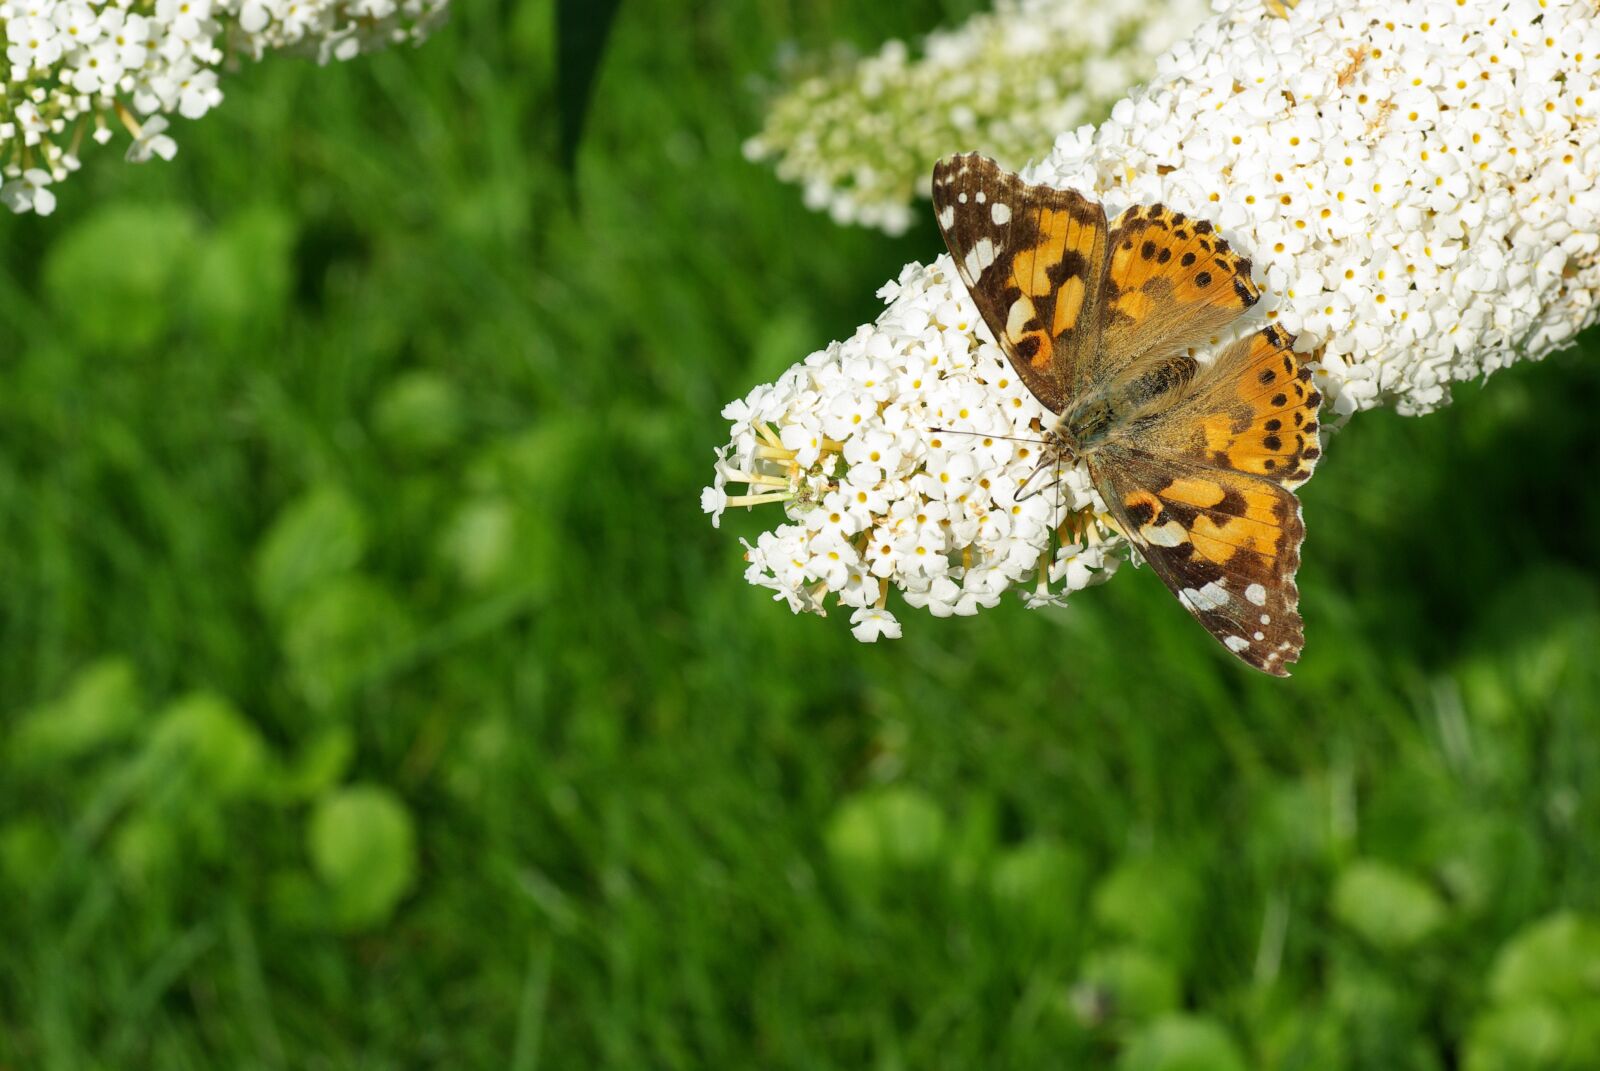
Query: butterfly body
[
  {"x": 1119, "y": 412},
  {"x": 1101, "y": 319}
]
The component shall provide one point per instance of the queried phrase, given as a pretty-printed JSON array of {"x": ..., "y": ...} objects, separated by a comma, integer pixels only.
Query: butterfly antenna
[{"x": 986, "y": 435}]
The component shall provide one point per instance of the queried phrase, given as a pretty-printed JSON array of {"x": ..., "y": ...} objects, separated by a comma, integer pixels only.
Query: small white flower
[
  {"x": 152, "y": 140},
  {"x": 198, "y": 94},
  {"x": 34, "y": 43},
  {"x": 859, "y": 140},
  {"x": 34, "y": 126},
  {"x": 29, "y": 192},
  {"x": 869, "y": 623},
  {"x": 77, "y": 23},
  {"x": 100, "y": 67},
  {"x": 714, "y": 500}
]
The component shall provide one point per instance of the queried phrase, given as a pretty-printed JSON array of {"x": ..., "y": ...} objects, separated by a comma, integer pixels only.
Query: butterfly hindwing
[
  {"x": 1033, "y": 259},
  {"x": 1226, "y": 543},
  {"x": 1172, "y": 283}
]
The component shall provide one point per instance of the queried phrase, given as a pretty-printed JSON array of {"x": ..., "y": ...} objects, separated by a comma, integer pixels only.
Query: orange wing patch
[{"x": 1173, "y": 283}]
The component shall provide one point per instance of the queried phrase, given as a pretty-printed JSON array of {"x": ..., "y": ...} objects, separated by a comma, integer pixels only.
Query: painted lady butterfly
[{"x": 1193, "y": 461}]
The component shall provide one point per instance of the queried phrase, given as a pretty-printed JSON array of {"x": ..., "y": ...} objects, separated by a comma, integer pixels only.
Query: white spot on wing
[
  {"x": 1256, "y": 594},
  {"x": 1000, "y": 213},
  {"x": 1021, "y": 312},
  {"x": 981, "y": 197},
  {"x": 1266, "y": 619},
  {"x": 979, "y": 257},
  {"x": 947, "y": 216},
  {"x": 1236, "y": 643},
  {"x": 1211, "y": 597},
  {"x": 962, "y": 197},
  {"x": 1170, "y": 534}
]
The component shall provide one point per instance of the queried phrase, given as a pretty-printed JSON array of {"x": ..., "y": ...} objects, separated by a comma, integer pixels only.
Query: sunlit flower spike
[
  {"x": 859, "y": 139},
  {"x": 1415, "y": 184}
]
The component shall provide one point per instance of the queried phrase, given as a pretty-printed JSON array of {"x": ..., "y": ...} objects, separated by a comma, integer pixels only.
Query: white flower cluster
[
  {"x": 908, "y": 455},
  {"x": 77, "y": 65},
  {"x": 862, "y": 138},
  {"x": 1415, "y": 181}
]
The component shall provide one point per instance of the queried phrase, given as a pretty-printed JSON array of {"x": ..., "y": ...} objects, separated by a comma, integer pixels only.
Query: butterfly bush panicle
[
  {"x": 905, "y": 457},
  {"x": 89, "y": 67},
  {"x": 860, "y": 139},
  {"x": 1416, "y": 185}
]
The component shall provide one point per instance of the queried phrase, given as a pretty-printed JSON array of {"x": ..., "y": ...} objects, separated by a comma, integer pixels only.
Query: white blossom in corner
[
  {"x": 861, "y": 138},
  {"x": 1415, "y": 183},
  {"x": 84, "y": 67}
]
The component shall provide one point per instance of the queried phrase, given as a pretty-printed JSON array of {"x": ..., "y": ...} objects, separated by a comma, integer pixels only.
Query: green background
[{"x": 375, "y": 694}]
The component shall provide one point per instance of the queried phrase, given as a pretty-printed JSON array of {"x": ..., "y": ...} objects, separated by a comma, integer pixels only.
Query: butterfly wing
[
  {"x": 1172, "y": 283},
  {"x": 1034, "y": 260},
  {"x": 1254, "y": 409},
  {"x": 1205, "y": 496}
]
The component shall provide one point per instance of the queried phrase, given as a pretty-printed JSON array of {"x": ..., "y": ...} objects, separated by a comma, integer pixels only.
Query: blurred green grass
[{"x": 376, "y": 696}]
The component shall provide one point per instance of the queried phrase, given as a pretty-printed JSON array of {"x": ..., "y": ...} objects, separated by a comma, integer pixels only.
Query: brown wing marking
[{"x": 1033, "y": 259}]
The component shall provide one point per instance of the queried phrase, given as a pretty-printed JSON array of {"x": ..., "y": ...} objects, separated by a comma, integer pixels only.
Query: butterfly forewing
[
  {"x": 1172, "y": 283},
  {"x": 1033, "y": 259}
]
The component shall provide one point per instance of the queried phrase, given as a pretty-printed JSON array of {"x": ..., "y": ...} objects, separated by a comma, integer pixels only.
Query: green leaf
[
  {"x": 114, "y": 277},
  {"x": 341, "y": 635},
  {"x": 1153, "y": 902},
  {"x": 146, "y": 851},
  {"x": 1557, "y": 957},
  {"x": 321, "y": 764},
  {"x": 1525, "y": 1036},
  {"x": 363, "y": 848},
  {"x": 317, "y": 537},
  {"x": 420, "y": 414},
  {"x": 480, "y": 541},
  {"x": 242, "y": 273},
  {"x": 1039, "y": 883},
  {"x": 101, "y": 706},
  {"x": 202, "y": 741},
  {"x": 1182, "y": 1043},
  {"x": 1126, "y": 983},
  {"x": 1387, "y": 906},
  {"x": 886, "y": 828}
]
